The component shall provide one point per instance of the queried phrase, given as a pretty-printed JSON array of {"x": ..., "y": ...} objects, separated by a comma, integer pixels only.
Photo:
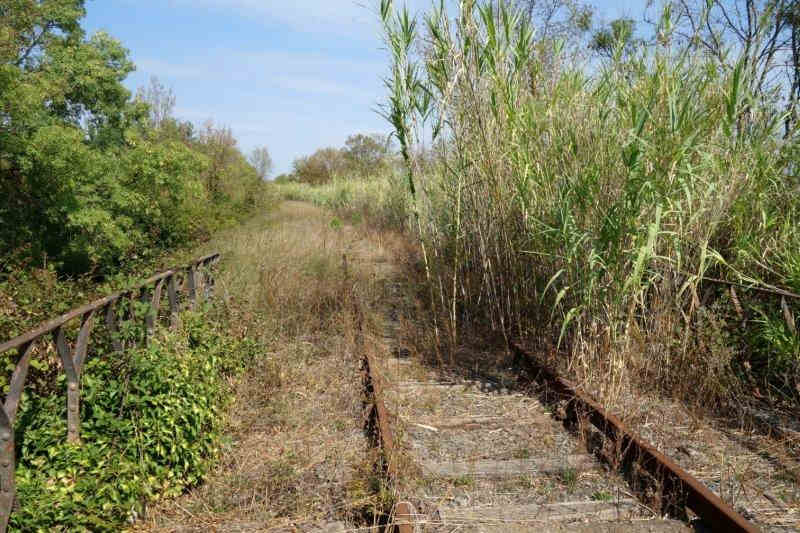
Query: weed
[
  {"x": 521, "y": 453},
  {"x": 464, "y": 481},
  {"x": 518, "y": 483},
  {"x": 602, "y": 496},
  {"x": 151, "y": 427},
  {"x": 569, "y": 476},
  {"x": 585, "y": 207}
]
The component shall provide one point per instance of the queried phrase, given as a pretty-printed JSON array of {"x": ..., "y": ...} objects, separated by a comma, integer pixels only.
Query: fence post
[
  {"x": 8, "y": 413},
  {"x": 7, "y": 485},
  {"x": 151, "y": 317},
  {"x": 112, "y": 323},
  {"x": 73, "y": 366},
  {"x": 156, "y": 303},
  {"x": 193, "y": 287},
  {"x": 174, "y": 307}
]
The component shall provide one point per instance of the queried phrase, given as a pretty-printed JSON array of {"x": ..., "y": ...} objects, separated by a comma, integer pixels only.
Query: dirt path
[{"x": 298, "y": 458}]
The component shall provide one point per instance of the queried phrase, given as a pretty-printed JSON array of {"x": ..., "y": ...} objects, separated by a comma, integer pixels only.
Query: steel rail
[
  {"x": 403, "y": 513},
  {"x": 385, "y": 435},
  {"x": 73, "y": 357},
  {"x": 715, "y": 513},
  {"x": 401, "y": 519}
]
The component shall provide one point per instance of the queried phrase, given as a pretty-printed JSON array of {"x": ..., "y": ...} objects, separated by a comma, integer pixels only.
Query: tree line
[
  {"x": 363, "y": 155},
  {"x": 92, "y": 176}
]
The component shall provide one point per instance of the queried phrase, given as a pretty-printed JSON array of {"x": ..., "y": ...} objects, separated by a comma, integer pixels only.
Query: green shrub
[
  {"x": 381, "y": 200},
  {"x": 87, "y": 181},
  {"x": 150, "y": 428}
]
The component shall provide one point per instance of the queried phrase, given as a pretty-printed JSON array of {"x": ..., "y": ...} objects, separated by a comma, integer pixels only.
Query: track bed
[{"x": 484, "y": 457}]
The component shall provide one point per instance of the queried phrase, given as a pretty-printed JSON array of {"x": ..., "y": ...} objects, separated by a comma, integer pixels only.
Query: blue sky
[{"x": 290, "y": 75}]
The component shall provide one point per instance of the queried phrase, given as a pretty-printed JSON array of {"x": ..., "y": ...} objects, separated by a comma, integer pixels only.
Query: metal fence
[{"x": 186, "y": 285}]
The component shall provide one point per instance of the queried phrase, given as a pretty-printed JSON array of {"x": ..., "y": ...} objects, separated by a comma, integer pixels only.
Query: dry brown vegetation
[
  {"x": 756, "y": 473},
  {"x": 298, "y": 457}
]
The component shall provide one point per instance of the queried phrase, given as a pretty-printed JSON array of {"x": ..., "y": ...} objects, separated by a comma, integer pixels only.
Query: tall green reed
[{"x": 585, "y": 205}]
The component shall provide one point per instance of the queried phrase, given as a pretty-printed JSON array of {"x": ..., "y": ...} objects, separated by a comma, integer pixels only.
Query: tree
[
  {"x": 366, "y": 154},
  {"x": 762, "y": 37},
  {"x": 261, "y": 161},
  {"x": 160, "y": 99},
  {"x": 320, "y": 167},
  {"x": 285, "y": 178},
  {"x": 29, "y": 28},
  {"x": 617, "y": 37},
  {"x": 84, "y": 177},
  {"x": 560, "y": 31},
  {"x": 62, "y": 105},
  {"x": 557, "y": 19},
  {"x": 219, "y": 144}
]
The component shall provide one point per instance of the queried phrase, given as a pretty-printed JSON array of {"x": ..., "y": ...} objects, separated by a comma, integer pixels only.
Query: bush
[
  {"x": 87, "y": 179},
  {"x": 381, "y": 200},
  {"x": 150, "y": 428}
]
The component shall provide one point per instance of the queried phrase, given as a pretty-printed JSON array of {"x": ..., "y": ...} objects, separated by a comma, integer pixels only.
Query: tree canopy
[
  {"x": 361, "y": 156},
  {"x": 88, "y": 175}
]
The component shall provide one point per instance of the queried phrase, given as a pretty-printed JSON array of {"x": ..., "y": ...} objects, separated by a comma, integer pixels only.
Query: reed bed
[{"x": 586, "y": 206}]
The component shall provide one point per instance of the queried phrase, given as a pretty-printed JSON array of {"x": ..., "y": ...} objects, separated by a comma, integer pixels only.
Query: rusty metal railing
[{"x": 193, "y": 281}]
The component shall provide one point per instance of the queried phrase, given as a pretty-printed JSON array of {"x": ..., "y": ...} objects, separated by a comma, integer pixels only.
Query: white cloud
[{"x": 358, "y": 20}]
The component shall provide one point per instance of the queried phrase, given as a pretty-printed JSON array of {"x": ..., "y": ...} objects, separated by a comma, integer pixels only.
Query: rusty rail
[
  {"x": 195, "y": 277},
  {"x": 682, "y": 487},
  {"x": 384, "y": 429},
  {"x": 401, "y": 519},
  {"x": 403, "y": 513}
]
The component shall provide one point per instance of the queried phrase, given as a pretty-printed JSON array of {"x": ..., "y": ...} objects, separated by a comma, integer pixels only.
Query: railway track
[{"x": 486, "y": 454}]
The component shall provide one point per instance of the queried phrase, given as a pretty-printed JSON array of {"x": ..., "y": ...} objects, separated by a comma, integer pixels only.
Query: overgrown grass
[
  {"x": 585, "y": 206},
  {"x": 298, "y": 457},
  {"x": 379, "y": 200}
]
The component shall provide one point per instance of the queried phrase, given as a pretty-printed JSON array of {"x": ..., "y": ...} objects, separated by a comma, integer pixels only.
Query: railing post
[
  {"x": 156, "y": 302},
  {"x": 192, "y": 286},
  {"x": 73, "y": 366},
  {"x": 8, "y": 413},
  {"x": 73, "y": 394},
  {"x": 152, "y": 312},
  {"x": 112, "y": 323},
  {"x": 7, "y": 484},
  {"x": 208, "y": 286},
  {"x": 174, "y": 307}
]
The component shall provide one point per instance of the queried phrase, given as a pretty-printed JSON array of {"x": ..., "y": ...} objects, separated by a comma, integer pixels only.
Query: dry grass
[{"x": 298, "y": 457}]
